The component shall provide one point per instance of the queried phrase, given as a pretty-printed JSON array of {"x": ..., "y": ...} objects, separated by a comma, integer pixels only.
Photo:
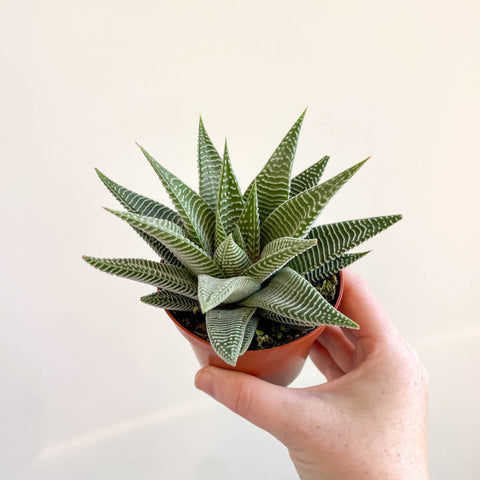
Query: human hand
[{"x": 367, "y": 422}]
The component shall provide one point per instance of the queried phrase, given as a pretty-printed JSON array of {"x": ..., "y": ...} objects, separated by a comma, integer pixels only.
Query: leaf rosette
[{"x": 240, "y": 258}]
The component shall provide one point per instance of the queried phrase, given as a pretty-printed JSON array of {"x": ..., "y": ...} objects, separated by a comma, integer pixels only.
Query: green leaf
[
  {"x": 231, "y": 258},
  {"x": 237, "y": 236},
  {"x": 220, "y": 235},
  {"x": 209, "y": 167},
  {"x": 197, "y": 216},
  {"x": 273, "y": 182},
  {"x": 333, "y": 266},
  {"x": 162, "y": 275},
  {"x": 288, "y": 294},
  {"x": 334, "y": 239},
  {"x": 136, "y": 203},
  {"x": 275, "y": 317},
  {"x": 171, "y": 235},
  {"x": 171, "y": 301},
  {"x": 226, "y": 331},
  {"x": 230, "y": 200},
  {"x": 277, "y": 254},
  {"x": 214, "y": 291},
  {"x": 249, "y": 333},
  {"x": 249, "y": 224},
  {"x": 308, "y": 178},
  {"x": 295, "y": 217},
  {"x": 161, "y": 250}
]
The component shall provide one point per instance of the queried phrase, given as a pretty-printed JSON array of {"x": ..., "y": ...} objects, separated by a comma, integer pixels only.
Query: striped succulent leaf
[
  {"x": 275, "y": 317},
  {"x": 171, "y": 235},
  {"x": 227, "y": 329},
  {"x": 209, "y": 167},
  {"x": 197, "y": 216},
  {"x": 136, "y": 203},
  {"x": 171, "y": 301},
  {"x": 231, "y": 258},
  {"x": 214, "y": 291},
  {"x": 334, "y": 239},
  {"x": 159, "y": 248},
  {"x": 230, "y": 201},
  {"x": 273, "y": 182},
  {"x": 290, "y": 295},
  {"x": 238, "y": 237},
  {"x": 295, "y": 217},
  {"x": 220, "y": 234},
  {"x": 309, "y": 177},
  {"x": 333, "y": 266},
  {"x": 277, "y": 254},
  {"x": 249, "y": 224},
  {"x": 162, "y": 275},
  {"x": 249, "y": 333}
]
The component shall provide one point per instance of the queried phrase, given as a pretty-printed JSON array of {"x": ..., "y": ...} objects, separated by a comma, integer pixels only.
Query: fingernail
[{"x": 204, "y": 381}]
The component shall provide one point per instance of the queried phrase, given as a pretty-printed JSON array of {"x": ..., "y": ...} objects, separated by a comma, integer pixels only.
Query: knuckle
[{"x": 243, "y": 399}]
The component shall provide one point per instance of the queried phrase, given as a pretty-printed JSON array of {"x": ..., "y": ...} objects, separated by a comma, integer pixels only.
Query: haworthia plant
[{"x": 242, "y": 258}]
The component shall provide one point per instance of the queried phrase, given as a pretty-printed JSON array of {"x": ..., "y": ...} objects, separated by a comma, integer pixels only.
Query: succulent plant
[{"x": 240, "y": 257}]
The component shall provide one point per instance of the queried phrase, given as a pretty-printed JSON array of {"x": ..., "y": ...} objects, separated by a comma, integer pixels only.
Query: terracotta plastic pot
[{"x": 279, "y": 365}]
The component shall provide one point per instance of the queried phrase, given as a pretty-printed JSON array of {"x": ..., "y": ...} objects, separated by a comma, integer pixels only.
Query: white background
[{"x": 96, "y": 385}]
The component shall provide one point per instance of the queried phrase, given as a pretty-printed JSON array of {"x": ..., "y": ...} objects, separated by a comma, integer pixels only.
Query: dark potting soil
[{"x": 269, "y": 334}]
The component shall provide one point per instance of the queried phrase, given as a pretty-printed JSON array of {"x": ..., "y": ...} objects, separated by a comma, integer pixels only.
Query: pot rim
[{"x": 315, "y": 331}]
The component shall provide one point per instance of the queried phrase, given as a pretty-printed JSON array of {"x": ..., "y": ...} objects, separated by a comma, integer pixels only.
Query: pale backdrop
[{"x": 96, "y": 385}]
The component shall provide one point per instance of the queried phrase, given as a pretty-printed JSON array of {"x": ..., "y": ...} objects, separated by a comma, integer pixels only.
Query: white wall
[{"x": 96, "y": 385}]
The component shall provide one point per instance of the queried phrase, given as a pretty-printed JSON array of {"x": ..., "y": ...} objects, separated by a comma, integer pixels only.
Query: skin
[{"x": 368, "y": 421}]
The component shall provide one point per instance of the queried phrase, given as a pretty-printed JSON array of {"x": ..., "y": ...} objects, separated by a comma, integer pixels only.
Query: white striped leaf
[
  {"x": 136, "y": 203},
  {"x": 214, "y": 291},
  {"x": 226, "y": 331},
  {"x": 162, "y": 275},
  {"x": 308, "y": 178},
  {"x": 290, "y": 295},
  {"x": 273, "y": 182},
  {"x": 197, "y": 216},
  {"x": 230, "y": 201},
  {"x": 334, "y": 239},
  {"x": 171, "y": 301},
  {"x": 231, "y": 258},
  {"x": 220, "y": 235},
  {"x": 161, "y": 250},
  {"x": 249, "y": 224},
  {"x": 333, "y": 266},
  {"x": 171, "y": 235},
  {"x": 275, "y": 317},
  {"x": 295, "y": 217},
  {"x": 277, "y": 254},
  {"x": 249, "y": 333},
  {"x": 209, "y": 167},
  {"x": 237, "y": 236}
]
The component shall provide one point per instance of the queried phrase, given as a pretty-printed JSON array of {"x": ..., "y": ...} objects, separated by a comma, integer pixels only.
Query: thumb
[{"x": 267, "y": 406}]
